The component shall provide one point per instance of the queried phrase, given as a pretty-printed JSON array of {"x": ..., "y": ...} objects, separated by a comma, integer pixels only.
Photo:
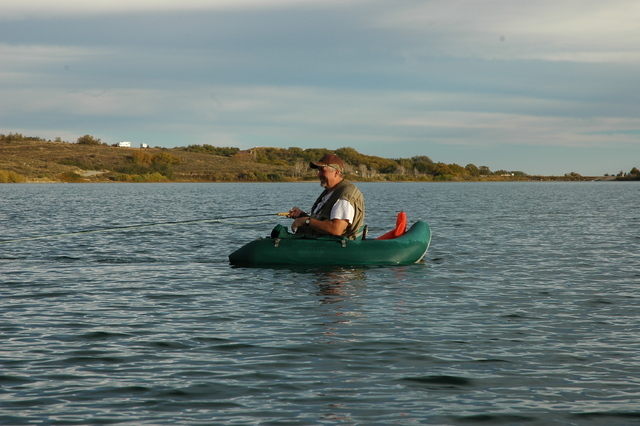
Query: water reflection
[
  {"x": 333, "y": 285},
  {"x": 338, "y": 291}
]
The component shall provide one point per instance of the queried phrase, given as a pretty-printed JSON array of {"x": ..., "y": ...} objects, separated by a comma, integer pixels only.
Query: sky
[{"x": 544, "y": 87}]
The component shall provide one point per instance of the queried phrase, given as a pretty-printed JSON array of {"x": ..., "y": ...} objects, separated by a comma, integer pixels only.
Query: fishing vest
[{"x": 352, "y": 194}]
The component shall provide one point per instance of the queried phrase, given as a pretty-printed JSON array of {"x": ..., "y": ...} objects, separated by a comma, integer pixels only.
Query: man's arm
[{"x": 329, "y": 227}]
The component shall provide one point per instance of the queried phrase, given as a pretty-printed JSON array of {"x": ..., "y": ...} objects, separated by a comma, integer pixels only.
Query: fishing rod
[{"x": 148, "y": 225}]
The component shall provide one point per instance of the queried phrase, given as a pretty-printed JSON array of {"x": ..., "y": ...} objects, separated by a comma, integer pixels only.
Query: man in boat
[{"x": 338, "y": 211}]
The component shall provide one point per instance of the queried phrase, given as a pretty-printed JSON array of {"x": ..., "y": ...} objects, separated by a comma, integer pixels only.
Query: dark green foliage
[
  {"x": 275, "y": 177},
  {"x": 88, "y": 140},
  {"x": 473, "y": 170},
  {"x": 275, "y": 156},
  {"x": 289, "y": 156},
  {"x": 372, "y": 163},
  {"x": 213, "y": 150},
  {"x": 634, "y": 174},
  {"x": 17, "y": 137},
  {"x": 420, "y": 168}
]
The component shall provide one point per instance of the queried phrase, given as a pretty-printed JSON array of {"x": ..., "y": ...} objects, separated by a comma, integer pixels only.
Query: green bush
[
  {"x": 146, "y": 177},
  {"x": 88, "y": 140},
  {"x": 213, "y": 150}
]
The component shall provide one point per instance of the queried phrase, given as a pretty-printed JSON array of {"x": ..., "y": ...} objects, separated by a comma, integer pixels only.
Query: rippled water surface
[{"x": 524, "y": 311}]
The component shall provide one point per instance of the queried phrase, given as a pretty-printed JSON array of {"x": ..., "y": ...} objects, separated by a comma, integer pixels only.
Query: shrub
[
  {"x": 70, "y": 177},
  {"x": 142, "y": 157},
  {"x": 213, "y": 150},
  {"x": 18, "y": 137},
  {"x": 7, "y": 176},
  {"x": 166, "y": 158},
  {"x": 155, "y": 177},
  {"x": 88, "y": 140},
  {"x": 275, "y": 177}
]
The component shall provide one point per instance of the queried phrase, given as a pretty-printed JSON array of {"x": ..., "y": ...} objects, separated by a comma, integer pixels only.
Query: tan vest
[{"x": 352, "y": 194}]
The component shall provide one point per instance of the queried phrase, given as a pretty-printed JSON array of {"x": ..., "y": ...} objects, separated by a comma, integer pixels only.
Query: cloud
[
  {"x": 571, "y": 30},
  {"x": 18, "y": 9}
]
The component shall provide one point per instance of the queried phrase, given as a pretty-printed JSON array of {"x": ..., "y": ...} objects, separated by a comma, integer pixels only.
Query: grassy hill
[
  {"x": 30, "y": 159},
  {"x": 42, "y": 161}
]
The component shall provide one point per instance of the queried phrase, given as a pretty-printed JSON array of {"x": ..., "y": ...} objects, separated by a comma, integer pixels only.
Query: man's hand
[
  {"x": 295, "y": 213},
  {"x": 297, "y": 223}
]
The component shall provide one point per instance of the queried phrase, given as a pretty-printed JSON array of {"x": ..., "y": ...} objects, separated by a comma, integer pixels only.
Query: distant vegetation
[
  {"x": 17, "y": 137},
  {"x": 365, "y": 167},
  {"x": 91, "y": 160},
  {"x": 213, "y": 150},
  {"x": 88, "y": 140},
  {"x": 634, "y": 174}
]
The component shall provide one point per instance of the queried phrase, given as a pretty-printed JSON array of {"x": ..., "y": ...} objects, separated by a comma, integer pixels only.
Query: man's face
[{"x": 328, "y": 176}]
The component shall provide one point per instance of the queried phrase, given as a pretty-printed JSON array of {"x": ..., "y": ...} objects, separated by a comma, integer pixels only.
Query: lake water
[{"x": 526, "y": 309}]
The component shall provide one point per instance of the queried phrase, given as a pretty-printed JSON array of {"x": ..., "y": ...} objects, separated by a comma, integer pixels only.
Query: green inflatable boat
[{"x": 405, "y": 249}]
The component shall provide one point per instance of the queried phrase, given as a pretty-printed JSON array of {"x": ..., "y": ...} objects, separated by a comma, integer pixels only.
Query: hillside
[{"x": 36, "y": 160}]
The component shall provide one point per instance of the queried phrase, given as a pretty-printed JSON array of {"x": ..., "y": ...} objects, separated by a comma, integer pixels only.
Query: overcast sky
[{"x": 544, "y": 87}]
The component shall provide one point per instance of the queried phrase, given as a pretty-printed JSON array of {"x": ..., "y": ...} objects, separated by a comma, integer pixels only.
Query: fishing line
[{"x": 148, "y": 225}]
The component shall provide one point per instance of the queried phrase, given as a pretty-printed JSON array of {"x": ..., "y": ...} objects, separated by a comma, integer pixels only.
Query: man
[{"x": 339, "y": 210}]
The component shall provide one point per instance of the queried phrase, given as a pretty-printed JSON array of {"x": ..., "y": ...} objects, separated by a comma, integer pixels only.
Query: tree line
[
  {"x": 634, "y": 174},
  {"x": 18, "y": 137},
  {"x": 368, "y": 166}
]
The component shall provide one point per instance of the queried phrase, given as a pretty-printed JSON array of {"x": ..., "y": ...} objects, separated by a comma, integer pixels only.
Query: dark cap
[{"x": 329, "y": 160}]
